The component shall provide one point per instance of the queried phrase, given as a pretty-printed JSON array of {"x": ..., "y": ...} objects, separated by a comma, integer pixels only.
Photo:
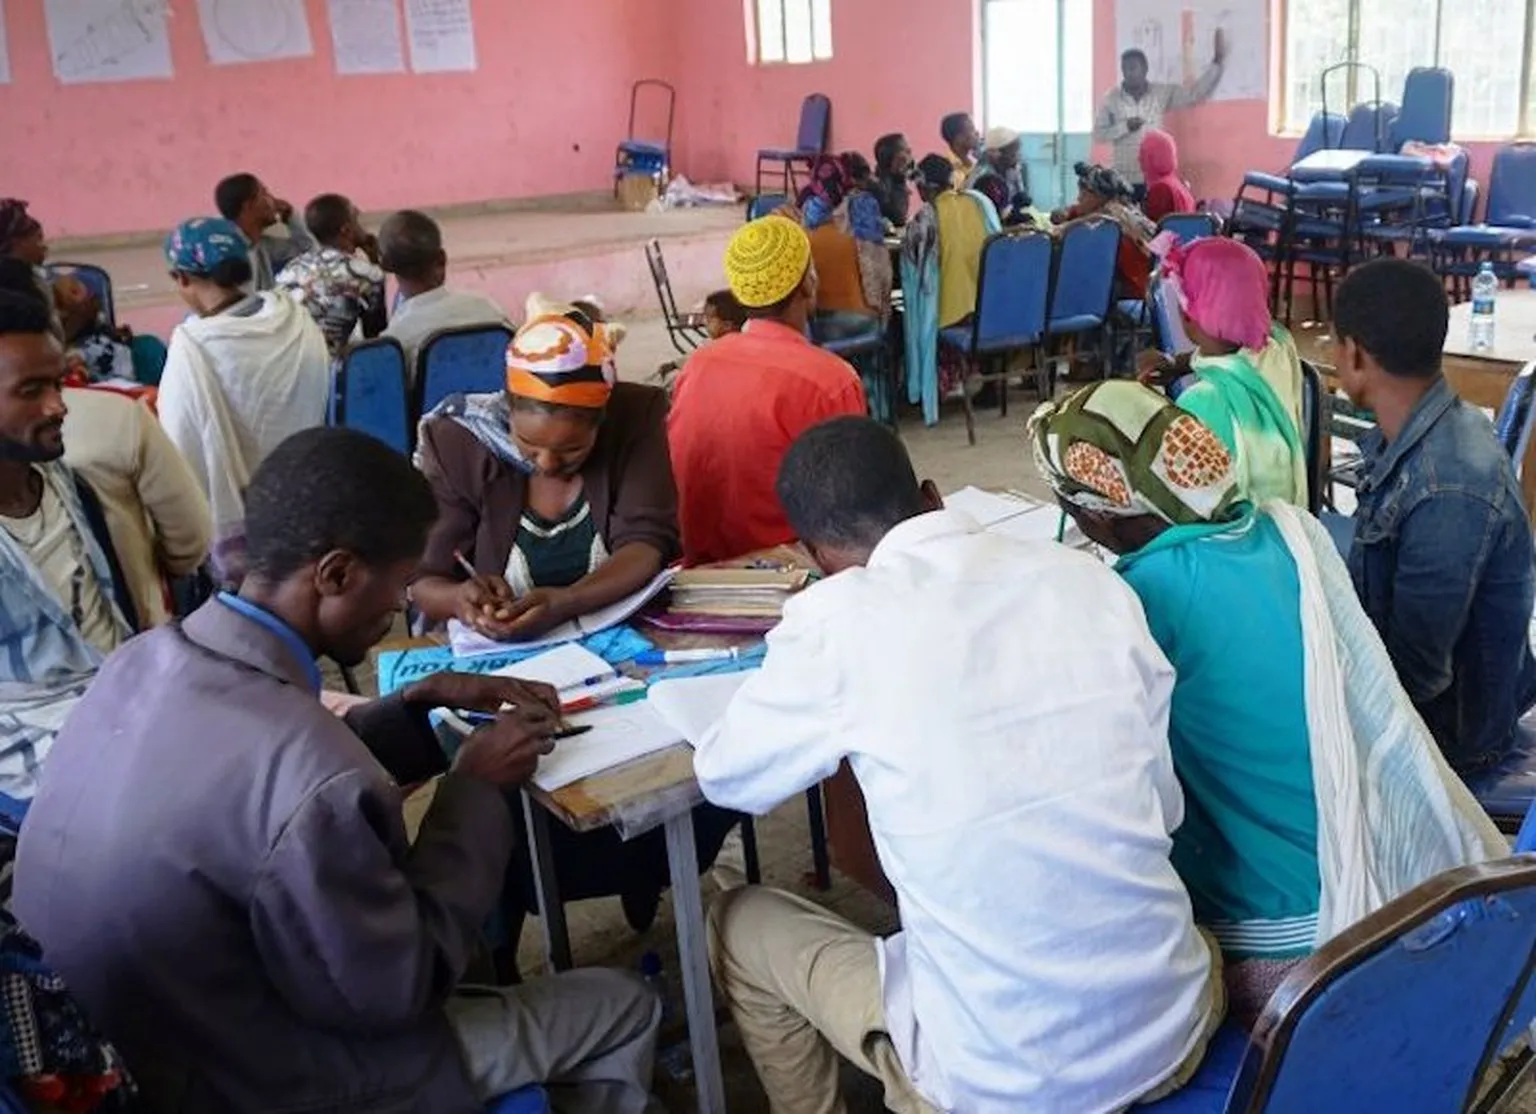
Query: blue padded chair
[
  {"x": 1167, "y": 322},
  {"x": 765, "y": 204},
  {"x": 870, "y": 354},
  {"x": 467, "y": 360},
  {"x": 1508, "y": 228},
  {"x": 1082, "y": 294},
  {"x": 650, "y": 157},
  {"x": 530, "y": 1100},
  {"x": 1428, "y": 97},
  {"x": 1012, "y": 296},
  {"x": 96, "y": 280},
  {"x": 369, "y": 393},
  {"x": 1190, "y": 226},
  {"x": 810, "y": 141},
  {"x": 1404, "y": 1011},
  {"x": 1369, "y": 127}
]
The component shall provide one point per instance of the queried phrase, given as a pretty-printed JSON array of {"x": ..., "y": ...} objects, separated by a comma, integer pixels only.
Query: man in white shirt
[
  {"x": 1005, "y": 710},
  {"x": 1136, "y": 105},
  {"x": 411, "y": 249}
]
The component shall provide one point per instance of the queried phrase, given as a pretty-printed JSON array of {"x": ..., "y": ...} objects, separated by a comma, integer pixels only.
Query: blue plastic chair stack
[
  {"x": 368, "y": 393},
  {"x": 1190, "y": 226},
  {"x": 96, "y": 280},
  {"x": 469, "y": 360},
  {"x": 649, "y": 157},
  {"x": 810, "y": 141},
  {"x": 1081, "y": 297},
  {"x": 1508, "y": 229},
  {"x": 1405, "y": 1011},
  {"x": 1012, "y": 299}
]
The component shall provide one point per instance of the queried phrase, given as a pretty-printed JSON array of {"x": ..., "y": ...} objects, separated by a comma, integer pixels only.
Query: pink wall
[{"x": 540, "y": 115}]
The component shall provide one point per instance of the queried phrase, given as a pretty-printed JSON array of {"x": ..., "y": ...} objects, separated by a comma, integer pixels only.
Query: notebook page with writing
[{"x": 619, "y": 735}]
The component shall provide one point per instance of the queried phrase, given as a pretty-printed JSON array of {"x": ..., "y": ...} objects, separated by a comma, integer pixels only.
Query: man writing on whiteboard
[{"x": 1136, "y": 104}]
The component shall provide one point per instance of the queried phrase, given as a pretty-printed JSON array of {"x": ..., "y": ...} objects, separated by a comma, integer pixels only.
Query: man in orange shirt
[{"x": 742, "y": 400}]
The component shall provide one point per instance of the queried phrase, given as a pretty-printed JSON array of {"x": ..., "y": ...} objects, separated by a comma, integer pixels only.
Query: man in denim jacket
[{"x": 1442, "y": 555}]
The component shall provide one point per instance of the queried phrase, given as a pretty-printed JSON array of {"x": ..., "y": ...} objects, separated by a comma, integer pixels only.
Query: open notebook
[{"x": 468, "y": 643}]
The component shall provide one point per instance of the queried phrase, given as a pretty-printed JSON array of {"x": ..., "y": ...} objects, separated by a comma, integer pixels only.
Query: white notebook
[
  {"x": 567, "y": 666},
  {"x": 693, "y": 705},
  {"x": 619, "y": 735}
]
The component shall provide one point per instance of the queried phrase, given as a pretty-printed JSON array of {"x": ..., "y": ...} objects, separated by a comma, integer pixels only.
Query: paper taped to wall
[
  {"x": 365, "y": 35},
  {"x": 1178, "y": 39},
  {"x": 442, "y": 35},
  {"x": 108, "y": 40},
  {"x": 237, "y": 31}
]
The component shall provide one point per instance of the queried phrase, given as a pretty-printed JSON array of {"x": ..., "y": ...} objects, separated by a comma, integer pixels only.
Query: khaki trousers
[{"x": 803, "y": 986}]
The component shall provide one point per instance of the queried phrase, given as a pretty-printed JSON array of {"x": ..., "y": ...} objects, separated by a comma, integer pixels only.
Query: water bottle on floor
[{"x": 1485, "y": 290}]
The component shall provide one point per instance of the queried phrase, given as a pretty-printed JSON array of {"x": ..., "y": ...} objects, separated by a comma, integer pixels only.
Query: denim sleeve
[{"x": 1442, "y": 547}]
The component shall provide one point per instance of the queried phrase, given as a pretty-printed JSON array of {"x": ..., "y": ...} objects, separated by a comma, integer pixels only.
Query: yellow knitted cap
[{"x": 766, "y": 260}]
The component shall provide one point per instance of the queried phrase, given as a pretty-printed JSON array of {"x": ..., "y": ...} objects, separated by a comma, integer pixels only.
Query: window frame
[
  {"x": 820, "y": 52},
  {"x": 1280, "y": 108}
]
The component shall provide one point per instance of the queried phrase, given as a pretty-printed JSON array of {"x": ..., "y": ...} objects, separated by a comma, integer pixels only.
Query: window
[
  {"x": 1483, "y": 42},
  {"x": 792, "y": 31}
]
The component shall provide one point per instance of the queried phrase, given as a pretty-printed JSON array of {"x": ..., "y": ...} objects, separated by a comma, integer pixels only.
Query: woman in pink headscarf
[
  {"x": 1247, "y": 372},
  {"x": 1167, "y": 192}
]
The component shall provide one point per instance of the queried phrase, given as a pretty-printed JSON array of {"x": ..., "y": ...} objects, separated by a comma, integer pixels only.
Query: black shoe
[{"x": 640, "y": 907}]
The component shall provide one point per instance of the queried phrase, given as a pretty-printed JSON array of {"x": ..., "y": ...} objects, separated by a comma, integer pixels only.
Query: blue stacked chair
[
  {"x": 1082, "y": 295},
  {"x": 810, "y": 141},
  {"x": 369, "y": 393},
  {"x": 1508, "y": 228},
  {"x": 649, "y": 157},
  {"x": 467, "y": 360}
]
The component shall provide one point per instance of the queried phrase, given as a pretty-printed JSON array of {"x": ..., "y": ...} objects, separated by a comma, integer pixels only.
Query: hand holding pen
[{"x": 485, "y": 601}]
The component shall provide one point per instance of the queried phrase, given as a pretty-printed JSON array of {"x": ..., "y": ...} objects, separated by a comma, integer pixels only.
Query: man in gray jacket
[{"x": 219, "y": 869}]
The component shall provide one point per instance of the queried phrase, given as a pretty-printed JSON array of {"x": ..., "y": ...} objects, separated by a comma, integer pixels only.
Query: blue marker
[{"x": 680, "y": 657}]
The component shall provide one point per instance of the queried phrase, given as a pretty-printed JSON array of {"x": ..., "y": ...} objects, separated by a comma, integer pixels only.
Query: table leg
[
  {"x": 693, "y": 958},
  {"x": 557, "y": 939}
]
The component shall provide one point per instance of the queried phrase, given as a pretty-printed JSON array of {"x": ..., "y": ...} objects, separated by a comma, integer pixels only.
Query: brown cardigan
[{"x": 480, "y": 497}]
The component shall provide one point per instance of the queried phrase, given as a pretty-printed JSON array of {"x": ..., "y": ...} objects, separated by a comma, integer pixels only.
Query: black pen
[{"x": 480, "y": 719}]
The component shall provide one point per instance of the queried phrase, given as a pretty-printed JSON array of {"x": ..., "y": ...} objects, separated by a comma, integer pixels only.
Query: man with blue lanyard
[{"x": 219, "y": 867}]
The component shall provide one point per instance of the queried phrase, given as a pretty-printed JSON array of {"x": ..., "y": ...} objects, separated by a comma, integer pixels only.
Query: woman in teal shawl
[{"x": 940, "y": 273}]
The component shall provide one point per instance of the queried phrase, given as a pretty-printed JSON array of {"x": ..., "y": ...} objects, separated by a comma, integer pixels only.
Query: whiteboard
[
  {"x": 1178, "y": 37},
  {"x": 442, "y": 35},
  {"x": 108, "y": 40},
  {"x": 237, "y": 31},
  {"x": 365, "y": 35}
]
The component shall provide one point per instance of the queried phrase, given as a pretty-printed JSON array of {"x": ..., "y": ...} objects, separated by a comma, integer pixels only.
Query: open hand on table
[
  {"x": 506, "y": 753},
  {"x": 478, "y": 692}
]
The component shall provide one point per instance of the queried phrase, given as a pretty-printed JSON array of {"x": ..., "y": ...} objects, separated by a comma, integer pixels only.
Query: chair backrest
[
  {"x": 1512, "y": 186},
  {"x": 1190, "y": 226},
  {"x": 1428, "y": 97},
  {"x": 1167, "y": 321},
  {"x": 1013, "y": 291},
  {"x": 1466, "y": 208},
  {"x": 815, "y": 123},
  {"x": 657, "y": 94},
  {"x": 1324, "y": 131},
  {"x": 96, "y": 280},
  {"x": 467, "y": 360},
  {"x": 1085, "y": 270},
  {"x": 1404, "y": 1011},
  {"x": 765, "y": 204},
  {"x": 369, "y": 393},
  {"x": 1369, "y": 127},
  {"x": 658, "y": 265},
  {"x": 1513, "y": 423},
  {"x": 1313, "y": 435}
]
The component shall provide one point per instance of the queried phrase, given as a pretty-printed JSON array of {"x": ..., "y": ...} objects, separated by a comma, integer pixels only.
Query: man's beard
[{"x": 29, "y": 452}]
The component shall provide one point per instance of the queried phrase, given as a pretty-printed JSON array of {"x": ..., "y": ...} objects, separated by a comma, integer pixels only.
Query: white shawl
[
  {"x": 235, "y": 388},
  {"x": 1390, "y": 811}
]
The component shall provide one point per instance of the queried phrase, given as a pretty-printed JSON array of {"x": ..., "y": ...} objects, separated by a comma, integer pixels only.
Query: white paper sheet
[
  {"x": 365, "y": 35},
  {"x": 442, "y": 35},
  {"x": 693, "y": 705},
  {"x": 467, "y": 643},
  {"x": 237, "y": 31},
  {"x": 108, "y": 40},
  {"x": 1178, "y": 37},
  {"x": 1038, "y": 525},
  {"x": 5, "y": 50},
  {"x": 564, "y": 667},
  {"x": 986, "y": 507},
  {"x": 618, "y": 735}
]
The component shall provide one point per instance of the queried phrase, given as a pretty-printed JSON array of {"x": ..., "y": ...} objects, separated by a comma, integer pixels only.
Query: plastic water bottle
[{"x": 1485, "y": 290}]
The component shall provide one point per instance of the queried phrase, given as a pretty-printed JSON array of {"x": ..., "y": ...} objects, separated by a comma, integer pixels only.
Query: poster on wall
[
  {"x": 365, "y": 35},
  {"x": 1178, "y": 37},
  {"x": 237, "y": 31},
  {"x": 5, "y": 50},
  {"x": 442, "y": 35},
  {"x": 108, "y": 40}
]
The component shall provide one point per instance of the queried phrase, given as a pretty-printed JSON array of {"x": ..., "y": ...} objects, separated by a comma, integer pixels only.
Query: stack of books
[{"x": 735, "y": 593}]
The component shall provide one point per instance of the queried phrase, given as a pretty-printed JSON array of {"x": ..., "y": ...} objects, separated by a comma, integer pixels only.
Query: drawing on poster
[
  {"x": 442, "y": 35},
  {"x": 108, "y": 40},
  {"x": 1178, "y": 39},
  {"x": 365, "y": 35},
  {"x": 236, "y": 31}
]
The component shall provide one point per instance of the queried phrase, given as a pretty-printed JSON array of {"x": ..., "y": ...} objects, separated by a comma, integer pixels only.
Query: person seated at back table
[
  {"x": 999, "y": 176},
  {"x": 892, "y": 185},
  {"x": 1103, "y": 194},
  {"x": 1247, "y": 373},
  {"x": 1049, "y": 959},
  {"x": 62, "y": 597},
  {"x": 22, "y": 237},
  {"x": 1256, "y": 613},
  {"x": 559, "y": 492},
  {"x": 1167, "y": 191},
  {"x": 411, "y": 249},
  {"x": 243, "y": 373},
  {"x": 961, "y": 142},
  {"x": 741, "y": 400},
  {"x": 940, "y": 278},
  {"x": 1442, "y": 556},
  {"x": 94, "y": 349},
  {"x": 340, "y": 291},
  {"x": 853, "y": 265},
  {"x": 237, "y": 835},
  {"x": 245, "y": 201}
]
